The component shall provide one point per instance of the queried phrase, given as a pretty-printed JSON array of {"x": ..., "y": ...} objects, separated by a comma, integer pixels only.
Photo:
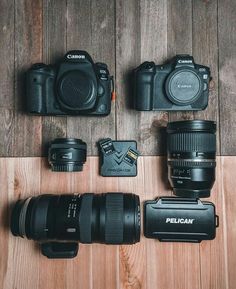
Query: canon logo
[
  {"x": 185, "y": 61},
  {"x": 179, "y": 221},
  {"x": 75, "y": 56},
  {"x": 184, "y": 85}
]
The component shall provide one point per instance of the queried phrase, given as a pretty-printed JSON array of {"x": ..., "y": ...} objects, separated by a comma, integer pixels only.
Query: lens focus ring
[
  {"x": 201, "y": 142},
  {"x": 192, "y": 163}
]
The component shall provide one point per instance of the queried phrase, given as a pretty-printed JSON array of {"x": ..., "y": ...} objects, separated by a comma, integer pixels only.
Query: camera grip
[
  {"x": 39, "y": 88},
  {"x": 143, "y": 90},
  {"x": 34, "y": 91}
]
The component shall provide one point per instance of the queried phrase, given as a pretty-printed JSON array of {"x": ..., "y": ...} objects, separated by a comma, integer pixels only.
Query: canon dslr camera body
[
  {"x": 178, "y": 85},
  {"x": 75, "y": 86}
]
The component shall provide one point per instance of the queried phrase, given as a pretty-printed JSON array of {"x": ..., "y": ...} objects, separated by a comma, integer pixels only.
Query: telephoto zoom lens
[
  {"x": 191, "y": 149},
  {"x": 67, "y": 154},
  {"x": 110, "y": 218}
]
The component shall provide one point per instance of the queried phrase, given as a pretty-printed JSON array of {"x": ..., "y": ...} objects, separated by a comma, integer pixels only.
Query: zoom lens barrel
[
  {"x": 111, "y": 218},
  {"x": 67, "y": 154},
  {"x": 191, "y": 149}
]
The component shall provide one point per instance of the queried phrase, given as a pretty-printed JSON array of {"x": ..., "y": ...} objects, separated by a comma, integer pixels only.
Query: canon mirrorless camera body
[
  {"x": 75, "y": 86},
  {"x": 178, "y": 85}
]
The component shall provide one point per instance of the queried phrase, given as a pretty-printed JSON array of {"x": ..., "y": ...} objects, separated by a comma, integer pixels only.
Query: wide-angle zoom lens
[
  {"x": 67, "y": 154},
  {"x": 191, "y": 149},
  {"x": 110, "y": 218}
]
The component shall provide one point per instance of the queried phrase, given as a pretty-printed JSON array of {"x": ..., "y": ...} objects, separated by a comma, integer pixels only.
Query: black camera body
[
  {"x": 75, "y": 86},
  {"x": 178, "y": 85}
]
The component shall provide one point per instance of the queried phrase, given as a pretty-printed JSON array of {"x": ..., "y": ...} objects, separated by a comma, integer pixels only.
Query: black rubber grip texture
[
  {"x": 39, "y": 217},
  {"x": 85, "y": 219},
  {"x": 188, "y": 142},
  {"x": 114, "y": 228}
]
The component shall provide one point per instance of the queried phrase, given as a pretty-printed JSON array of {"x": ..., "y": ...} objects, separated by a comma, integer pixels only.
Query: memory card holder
[
  {"x": 180, "y": 220},
  {"x": 118, "y": 158}
]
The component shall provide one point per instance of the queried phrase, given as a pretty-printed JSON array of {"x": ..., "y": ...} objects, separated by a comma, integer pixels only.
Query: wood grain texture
[
  {"x": 28, "y": 50},
  {"x": 148, "y": 264},
  {"x": 229, "y": 220},
  {"x": 205, "y": 50},
  {"x": 227, "y": 75},
  {"x": 7, "y": 54},
  {"x": 180, "y": 38},
  {"x": 141, "y": 35},
  {"x": 54, "y": 47},
  {"x": 6, "y": 131},
  {"x": 7, "y": 77},
  {"x": 90, "y": 27}
]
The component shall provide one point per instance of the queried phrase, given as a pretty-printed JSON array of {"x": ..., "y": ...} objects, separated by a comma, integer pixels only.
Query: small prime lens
[
  {"x": 110, "y": 218},
  {"x": 191, "y": 149},
  {"x": 67, "y": 154}
]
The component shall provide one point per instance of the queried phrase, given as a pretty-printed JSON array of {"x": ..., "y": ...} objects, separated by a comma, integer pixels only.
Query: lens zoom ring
[
  {"x": 86, "y": 218},
  {"x": 182, "y": 163},
  {"x": 114, "y": 218},
  {"x": 204, "y": 142}
]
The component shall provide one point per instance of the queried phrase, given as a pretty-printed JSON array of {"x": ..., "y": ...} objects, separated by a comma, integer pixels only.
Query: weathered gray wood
[
  {"x": 205, "y": 51},
  {"x": 141, "y": 35},
  {"x": 7, "y": 54},
  {"x": 179, "y": 38},
  {"x": 54, "y": 47},
  {"x": 91, "y": 27},
  {"x": 6, "y": 132},
  {"x": 227, "y": 75},
  {"x": 6, "y": 77},
  {"x": 123, "y": 35},
  {"x": 28, "y": 50}
]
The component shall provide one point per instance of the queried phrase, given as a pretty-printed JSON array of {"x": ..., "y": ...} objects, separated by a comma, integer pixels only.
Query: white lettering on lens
[
  {"x": 179, "y": 221},
  {"x": 184, "y": 85}
]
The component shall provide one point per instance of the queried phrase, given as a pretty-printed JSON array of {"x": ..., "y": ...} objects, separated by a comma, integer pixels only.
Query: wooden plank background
[
  {"x": 122, "y": 34},
  {"x": 145, "y": 265}
]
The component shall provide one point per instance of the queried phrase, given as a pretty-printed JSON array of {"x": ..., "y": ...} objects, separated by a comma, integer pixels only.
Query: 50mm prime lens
[{"x": 191, "y": 149}]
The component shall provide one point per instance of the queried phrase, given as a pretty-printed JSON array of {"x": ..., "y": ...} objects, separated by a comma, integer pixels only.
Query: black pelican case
[{"x": 180, "y": 220}]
